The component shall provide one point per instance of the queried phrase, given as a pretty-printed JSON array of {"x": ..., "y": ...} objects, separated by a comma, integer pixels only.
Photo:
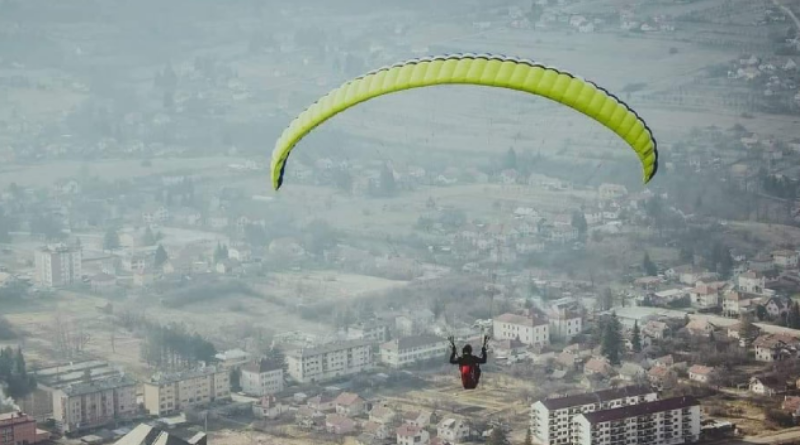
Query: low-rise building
[
  {"x": 232, "y": 359},
  {"x": 262, "y": 378},
  {"x": 93, "y": 404},
  {"x": 660, "y": 422},
  {"x": 339, "y": 425},
  {"x": 775, "y": 347},
  {"x": 409, "y": 350},
  {"x": 752, "y": 282},
  {"x": 412, "y": 435},
  {"x": 565, "y": 324},
  {"x": 551, "y": 419},
  {"x": 528, "y": 330},
  {"x": 766, "y": 386},
  {"x": 331, "y": 361},
  {"x": 700, "y": 373},
  {"x": 373, "y": 330},
  {"x": 350, "y": 404},
  {"x": 168, "y": 393},
  {"x": 786, "y": 259},
  {"x": 17, "y": 428},
  {"x": 452, "y": 429}
]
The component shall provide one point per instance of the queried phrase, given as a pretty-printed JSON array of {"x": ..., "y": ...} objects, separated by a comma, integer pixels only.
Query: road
[{"x": 783, "y": 438}]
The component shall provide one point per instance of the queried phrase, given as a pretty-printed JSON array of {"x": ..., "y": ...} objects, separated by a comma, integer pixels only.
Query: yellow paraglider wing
[{"x": 485, "y": 70}]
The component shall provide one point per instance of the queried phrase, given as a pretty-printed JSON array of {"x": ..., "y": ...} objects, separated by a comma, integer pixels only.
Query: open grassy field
[{"x": 46, "y": 174}]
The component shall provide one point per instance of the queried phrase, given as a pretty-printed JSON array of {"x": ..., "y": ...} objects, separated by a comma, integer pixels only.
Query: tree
[
  {"x": 111, "y": 240},
  {"x": 149, "y": 237},
  {"x": 636, "y": 340},
  {"x": 606, "y": 301},
  {"x": 497, "y": 436},
  {"x": 528, "y": 438},
  {"x": 793, "y": 318},
  {"x": 510, "y": 161},
  {"x": 648, "y": 266},
  {"x": 221, "y": 253},
  {"x": 161, "y": 256},
  {"x": 14, "y": 374},
  {"x": 579, "y": 222},
  {"x": 611, "y": 343},
  {"x": 236, "y": 379}
]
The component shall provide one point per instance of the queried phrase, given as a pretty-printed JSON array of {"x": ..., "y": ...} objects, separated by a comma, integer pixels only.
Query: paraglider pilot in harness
[{"x": 468, "y": 364}]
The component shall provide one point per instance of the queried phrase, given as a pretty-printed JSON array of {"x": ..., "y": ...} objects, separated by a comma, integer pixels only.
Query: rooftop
[
  {"x": 328, "y": 348},
  {"x": 641, "y": 409},
  {"x": 83, "y": 388},
  {"x": 262, "y": 366},
  {"x": 163, "y": 378},
  {"x": 414, "y": 341},
  {"x": 596, "y": 397}
]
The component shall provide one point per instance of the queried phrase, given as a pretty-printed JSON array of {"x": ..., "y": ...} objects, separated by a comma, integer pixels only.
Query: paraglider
[
  {"x": 468, "y": 364},
  {"x": 481, "y": 70}
]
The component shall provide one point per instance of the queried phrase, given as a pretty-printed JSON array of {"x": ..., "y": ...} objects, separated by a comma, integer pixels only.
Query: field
[{"x": 46, "y": 174}]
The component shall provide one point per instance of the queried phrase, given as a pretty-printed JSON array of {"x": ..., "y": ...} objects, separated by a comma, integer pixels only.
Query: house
[
  {"x": 322, "y": 402},
  {"x": 452, "y": 429},
  {"x": 666, "y": 361},
  {"x": 564, "y": 324},
  {"x": 766, "y": 386},
  {"x": 775, "y": 347},
  {"x": 412, "y": 435},
  {"x": 599, "y": 366},
  {"x": 611, "y": 191},
  {"x": 268, "y": 407},
  {"x": 339, "y": 425},
  {"x": 656, "y": 330},
  {"x": 382, "y": 414},
  {"x": 308, "y": 417},
  {"x": 791, "y": 404},
  {"x": 736, "y": 303},
  {"x": 752, "y": 282},
  {"x": 376, "y": 430},
  {"x": 103, "y": 283},
  {"x": 419, "y": 419},
  {"x": 706, "y": 296},
  {"x": 700, "y": 327},
  {"x": 349, "y": 404},
  {"x": 761, "y": 263},
  {"x": 631, "y": 372},
  {"x": 777, "y": 307},
  {"x": 702, "y": 374},
  {"x": 660, "y": 375},
  {"x": 228, "y": 266},
  {"x": 508, "y": 349},
  {"x": 785, "y": 259}
]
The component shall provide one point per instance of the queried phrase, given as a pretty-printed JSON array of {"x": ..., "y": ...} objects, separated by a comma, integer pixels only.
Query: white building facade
[
  {"x": 330, "y": 361},
  {"x": 58, "y": 266},
  {"x": 408, "y": 350},
  {"x": 262, "y": 378},
  {"x": 528, "y": 330}
]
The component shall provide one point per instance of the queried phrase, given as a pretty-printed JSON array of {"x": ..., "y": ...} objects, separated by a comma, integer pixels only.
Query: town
[{"x": 153, "y": 289}]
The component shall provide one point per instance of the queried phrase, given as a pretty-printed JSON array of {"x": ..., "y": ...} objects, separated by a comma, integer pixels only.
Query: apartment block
[
  {"x": 168, "y": 393},
  {"x": 18, "y": 428},
  {"x": 409, "y": 350},
  {"x": 93, "y": 404},
  {"x": 262, "y": 378},
  {"x": 552, "y": 419},
  {"x": 528, "y": 330},
  {"x": 331, "y": 361},
  {"x": 662, "y": 422},
  {"x": 58, "y": 265}
]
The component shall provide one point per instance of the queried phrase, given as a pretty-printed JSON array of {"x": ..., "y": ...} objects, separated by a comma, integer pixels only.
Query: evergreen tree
[
  {"x": 636, "y": 339},
  {"x": 111, "y": 240},
  {"x": 236, "y": 380},
  {"x": 149, "y": 237},
  {"x": 510, "y": 161},
  {"x": 648, "y": 266},
  {"x": 793, "y": 318},
  {"x": 387, "y": 186},
  {"x": 528, "y": 437},
  {"x": 497, "y": 436},
  {"x": 221, "y": 253},
  {"x": 611, "y": 344},
  {"x": 579, "y": 222},
  {"x": 161, "y": 256}
]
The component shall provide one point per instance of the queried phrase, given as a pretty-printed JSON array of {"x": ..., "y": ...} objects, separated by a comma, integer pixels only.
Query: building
[
  {"x": 168, "y": 393},
  {"x": 338, "y": 424},
  {"x": 350, "y": 404},
  {"x": 767, "y": 385},
  {"x": 786, "y": 259},
  {"x": 700, "y": 373},
  {"x": 660, "y": 422},
  {"x": 408, "y": 350},
  {"x": 58, "y": 266},
  {"x": 752, "y": 282},
  {"x": 232, "y": 359},
  {"x": 17, "y": 428},
  {"x": 775, "y": 347},
  {"x": 528, "y": 330},
  {"x": 705, "y": 295},
  {"x": 412, "y": 435},
  {"x": 147, "y": 435},
  {"x": 551, "y": 419},
  {"x": 330, "y": 361},
  {"x": 262, "y": 378},
  {"x": 565, "y": 324},
  {"x": 375, "y": 331},
  {"x": 452, "y": 430},
  {"x": 93, "y": 404}
]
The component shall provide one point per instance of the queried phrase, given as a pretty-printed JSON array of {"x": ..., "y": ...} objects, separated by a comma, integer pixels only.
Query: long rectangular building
[
  {"x": 552, "y": 419},
  {"x": 331, "y": 361},
  {"x": 81, "y": 406},
  {"x": 174, "y": 392},
  {"x": 662, "y": 422},
  {"x": 409, "y": 350}
]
